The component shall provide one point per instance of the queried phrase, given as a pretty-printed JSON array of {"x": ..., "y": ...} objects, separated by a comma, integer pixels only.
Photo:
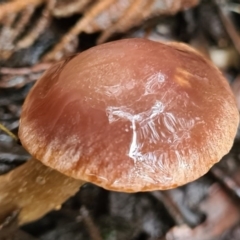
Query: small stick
[
  {"x": 26, "y": 15},
  {"x": 57, "y": 52},
  {"x": 27, "y": 70},
  {"x": 93, "y": 229},
  {"x": 40, "y": 26},
  {"x": 70, "y": 8},
  {"x": 9, "y": 133},
  {"x": 16, "y": 6},
  {"x": 173, "y": 209},
  {"x": 234, "y": 36}
]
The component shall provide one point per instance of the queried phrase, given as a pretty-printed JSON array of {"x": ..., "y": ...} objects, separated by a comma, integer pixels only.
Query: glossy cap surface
[{"x": 131, "y": 115}]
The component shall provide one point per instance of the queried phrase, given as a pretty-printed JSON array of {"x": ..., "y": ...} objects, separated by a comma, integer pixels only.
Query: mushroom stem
[{"x": 34, "y": 189}]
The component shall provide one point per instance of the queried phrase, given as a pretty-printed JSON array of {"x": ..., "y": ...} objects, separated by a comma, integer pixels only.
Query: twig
[
  {"x": 133, "y": 14},
  {"x": 26, "y": 14},
  {"x": 9, "y": 33},
  {"x": 70, "y": 8},
  {"x": 170, "y": 205},
  {"x": 229, "y": 27},
  {"x": 92, "y": 228},
  {"x": 18, "y": 77},
  {"x": 9, "y": 133},
  {"x": 226, "y": 180},
  {"x": 41, "y": 25},
  {"x": 24, "y": 71},
  {"x": 16, "y": 6},
  {"x": 57, "y": 52}
]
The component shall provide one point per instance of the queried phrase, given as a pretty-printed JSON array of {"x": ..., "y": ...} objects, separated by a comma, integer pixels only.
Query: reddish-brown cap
[{"x": 131, "y": 115}]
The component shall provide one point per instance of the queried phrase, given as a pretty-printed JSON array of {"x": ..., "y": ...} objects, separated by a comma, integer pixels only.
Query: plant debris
[{"x": 36, "y": 33}]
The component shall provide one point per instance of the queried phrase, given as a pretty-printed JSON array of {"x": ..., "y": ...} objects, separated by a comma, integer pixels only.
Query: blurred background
[{"x": 36, "y": 33}]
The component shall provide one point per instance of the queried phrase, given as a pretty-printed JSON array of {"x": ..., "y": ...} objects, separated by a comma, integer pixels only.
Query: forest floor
[{"x": 206, "y": 209}]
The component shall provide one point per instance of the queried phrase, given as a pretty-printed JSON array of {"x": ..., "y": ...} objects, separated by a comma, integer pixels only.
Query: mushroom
[{"x": 131, "y": 115}]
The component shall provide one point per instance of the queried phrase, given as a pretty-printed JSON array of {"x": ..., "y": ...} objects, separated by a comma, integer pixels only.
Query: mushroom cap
[{"x": 131, "y": 115}]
